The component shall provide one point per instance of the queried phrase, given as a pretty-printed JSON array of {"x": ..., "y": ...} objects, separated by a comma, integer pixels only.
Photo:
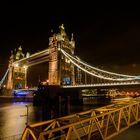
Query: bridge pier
[
  {"x": 47, "y": 98},
  {"x": 55, "y": 101},
  {"x": 74, "y": 94}
]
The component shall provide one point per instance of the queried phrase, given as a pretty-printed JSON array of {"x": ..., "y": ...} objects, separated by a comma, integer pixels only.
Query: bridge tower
[
  {"x": 17, "y": 73},
  {"x": 61, "y": 71}
]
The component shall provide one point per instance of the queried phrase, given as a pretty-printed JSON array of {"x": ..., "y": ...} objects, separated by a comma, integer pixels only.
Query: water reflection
[{"x": 14, "y": 116}]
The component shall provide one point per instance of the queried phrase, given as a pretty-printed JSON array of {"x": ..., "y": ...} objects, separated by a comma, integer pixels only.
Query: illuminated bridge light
[
  {"x": 25, "y": 67},
  {"x": 33, "y": 56},
  {"x": 111, "y": 73},
  {"x": 101, "y": 84},
  {"x": 16, "y": 65},
  {"x": 100, "y": 75}
]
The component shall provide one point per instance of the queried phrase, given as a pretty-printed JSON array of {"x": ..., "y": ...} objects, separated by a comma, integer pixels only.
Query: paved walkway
[{"x": 133, "y": 133}]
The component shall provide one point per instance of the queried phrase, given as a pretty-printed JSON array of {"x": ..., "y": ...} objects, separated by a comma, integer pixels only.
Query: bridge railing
[
  {"x": 103, "y": 84},
  {"x": 103, "y": 123}
]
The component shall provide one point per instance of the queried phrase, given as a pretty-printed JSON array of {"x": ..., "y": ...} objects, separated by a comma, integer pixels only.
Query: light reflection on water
[{"x": 13, "y": 117}]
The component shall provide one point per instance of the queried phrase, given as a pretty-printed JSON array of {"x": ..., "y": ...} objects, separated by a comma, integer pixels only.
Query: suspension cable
[
  {"x": 116, "y": 74},
  {"x": 2, "y": 80},
  {"x": 98, "y": 76}
]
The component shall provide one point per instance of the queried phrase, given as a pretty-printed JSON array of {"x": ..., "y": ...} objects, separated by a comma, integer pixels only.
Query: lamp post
[
  {"x": 27, "y": 115},
  {"x": 25, "y": 67}
]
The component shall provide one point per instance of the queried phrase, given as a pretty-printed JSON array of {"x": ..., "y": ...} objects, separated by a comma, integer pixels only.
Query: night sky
[{"x": 107, "y": 38}]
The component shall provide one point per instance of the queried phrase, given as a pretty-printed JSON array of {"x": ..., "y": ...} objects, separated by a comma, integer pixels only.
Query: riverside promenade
[{"x": 132, "y": 133}]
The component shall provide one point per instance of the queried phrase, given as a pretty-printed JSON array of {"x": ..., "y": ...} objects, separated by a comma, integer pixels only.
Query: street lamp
[
  {"x": 27, "y": 118},
  {"x": 27, "y": 115}
]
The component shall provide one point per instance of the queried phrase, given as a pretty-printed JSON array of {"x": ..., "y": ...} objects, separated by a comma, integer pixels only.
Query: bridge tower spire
[{"x": 61, "y": 71}]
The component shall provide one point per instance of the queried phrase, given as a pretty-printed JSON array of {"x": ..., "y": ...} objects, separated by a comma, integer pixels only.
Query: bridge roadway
[
  {"x": 101, "y": 123},
  {"x": 105, "y": 85}
]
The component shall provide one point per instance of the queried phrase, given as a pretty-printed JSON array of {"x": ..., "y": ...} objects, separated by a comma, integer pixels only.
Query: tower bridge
[
  {"x": 65, "y": 69},
  {"x": 68, "y": 72}
]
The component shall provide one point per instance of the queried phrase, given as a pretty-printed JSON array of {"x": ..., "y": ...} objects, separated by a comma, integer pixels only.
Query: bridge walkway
[{"x": 101, "y": 123}]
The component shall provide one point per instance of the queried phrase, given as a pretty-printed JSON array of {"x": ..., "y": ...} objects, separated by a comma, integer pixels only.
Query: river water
[{"x": 14, "y": 116}]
